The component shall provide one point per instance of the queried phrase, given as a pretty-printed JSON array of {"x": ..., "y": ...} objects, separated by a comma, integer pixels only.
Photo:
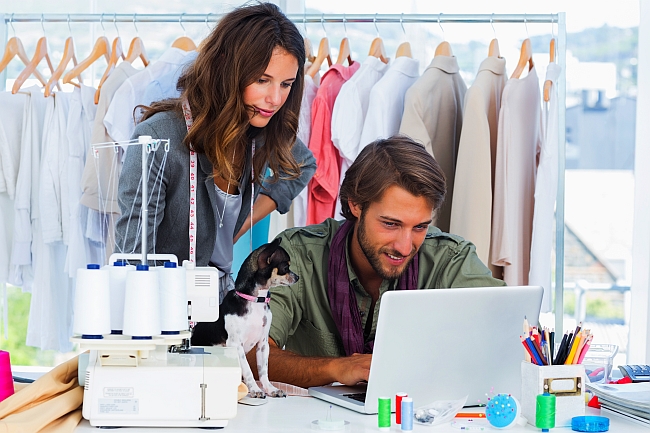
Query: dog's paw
[
  {"x": 277, "y": 393},
  {"x": 256, "y": 393}
]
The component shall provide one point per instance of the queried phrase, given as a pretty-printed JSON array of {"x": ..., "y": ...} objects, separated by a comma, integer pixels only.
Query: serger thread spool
[
  {"x": 545, "y": 411},
  {"x": 173, "y": 299},
  {"x": 117, "y": 281},
  {"x": 407, "y": 414},
  {"x": 6, "y": 379},
  {"x": 142, "y": 304},
  {"x": 92, "y": 300},
  {"x": 398, "y": 406},
  {"x": 383, "y": 413}
]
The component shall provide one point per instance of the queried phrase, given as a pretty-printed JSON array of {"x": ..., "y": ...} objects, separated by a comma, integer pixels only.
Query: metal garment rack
[{"x": 442, "y": 18}]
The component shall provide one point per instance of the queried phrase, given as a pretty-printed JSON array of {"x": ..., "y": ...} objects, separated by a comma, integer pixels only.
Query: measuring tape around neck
[{"x": 187, "y": 114}]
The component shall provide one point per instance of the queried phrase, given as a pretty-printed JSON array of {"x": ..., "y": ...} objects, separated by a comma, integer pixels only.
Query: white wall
[{"x": 638, "y": 347}]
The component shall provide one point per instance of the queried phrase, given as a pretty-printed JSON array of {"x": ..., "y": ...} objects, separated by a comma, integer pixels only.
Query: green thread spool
[
  {"x": 383, "y": 414},
  {"x": 545, "y": 411}
]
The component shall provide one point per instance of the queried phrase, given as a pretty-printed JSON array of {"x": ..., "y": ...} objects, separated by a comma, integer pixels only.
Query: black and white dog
[{"x": 245, "y": 316}]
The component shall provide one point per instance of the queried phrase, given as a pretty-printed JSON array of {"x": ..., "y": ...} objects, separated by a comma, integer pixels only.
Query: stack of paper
[{"x": 630, "y": 400}]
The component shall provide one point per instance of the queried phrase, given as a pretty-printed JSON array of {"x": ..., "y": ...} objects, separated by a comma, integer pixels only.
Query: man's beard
[{"x": 374, "y": 256}]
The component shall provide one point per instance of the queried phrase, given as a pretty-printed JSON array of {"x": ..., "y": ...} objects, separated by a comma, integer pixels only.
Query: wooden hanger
[
  {"x": 548, "y": 84},
  {"x": 344, "y": 52},
  {"x": 39, "y": 54},
  {"x": 15, "y": 48},
  {"x": 377, "y": 50},
  {"x": 322, "y": 55},
  {"x": 525, "y": 56},
  {"x": 136, "y": 49},
  {"x": 493, "y": 50},
  {"x": 101, "y": 48},
  {"x": 184, "y": 43},
  {"x": 309, "y": 57},
  {"x": 68, "y": 54},
  {"x": 404, "y": 50},
  {"x": 443, "y": 49},
  {"x": 116, "y": 54}
]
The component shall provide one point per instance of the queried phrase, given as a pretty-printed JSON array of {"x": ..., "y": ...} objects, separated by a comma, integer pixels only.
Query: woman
[{"x": 241, "y": 98}]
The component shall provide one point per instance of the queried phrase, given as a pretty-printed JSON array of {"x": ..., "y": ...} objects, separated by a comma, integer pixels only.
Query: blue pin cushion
[
  {"x": 589, "y": 423},
  {"x": 502, "y": 411}
]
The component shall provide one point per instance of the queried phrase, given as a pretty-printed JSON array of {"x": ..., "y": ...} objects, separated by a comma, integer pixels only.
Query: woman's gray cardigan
[{"x": 169, "y": 198}]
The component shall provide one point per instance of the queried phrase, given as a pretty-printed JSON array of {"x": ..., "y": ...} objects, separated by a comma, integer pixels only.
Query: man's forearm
[
  {"x": 306, "y": 371},
  {"x": 303, "y": 371}
]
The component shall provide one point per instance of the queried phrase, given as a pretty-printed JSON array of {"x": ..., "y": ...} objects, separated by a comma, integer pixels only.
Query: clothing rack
[{"x": 441, "y": 18}]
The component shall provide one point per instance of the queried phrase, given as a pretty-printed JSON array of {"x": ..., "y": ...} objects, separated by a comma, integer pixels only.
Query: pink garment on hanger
[{"x": 324, "y": 186}]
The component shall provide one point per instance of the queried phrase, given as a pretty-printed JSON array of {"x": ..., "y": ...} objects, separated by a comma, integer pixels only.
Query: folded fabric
[{"x": 51, "y": 404}]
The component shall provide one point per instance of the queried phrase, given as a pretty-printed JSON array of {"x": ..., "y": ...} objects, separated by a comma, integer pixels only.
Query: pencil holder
[{"x": 566, "y": 382}]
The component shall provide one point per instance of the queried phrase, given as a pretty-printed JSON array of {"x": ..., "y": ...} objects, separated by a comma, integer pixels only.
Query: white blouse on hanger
[
  {"x": 545, "y": 193},
  {"x": 80, "y": 120},
  {"x": 11, "y": 125},
  {"x": 304, "y": 133},
  {"x": 519, "y": 137},
  {"x": 349, "y": 113},
  {"x": 386, "y": 103},
  {"x": 119, "y": 120},
  {"x": 50, "y": 312},
  {"x": 26, "y": 202}
]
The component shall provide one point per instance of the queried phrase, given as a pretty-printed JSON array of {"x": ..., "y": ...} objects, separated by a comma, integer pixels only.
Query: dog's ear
[{"x": 264, "y": 259}]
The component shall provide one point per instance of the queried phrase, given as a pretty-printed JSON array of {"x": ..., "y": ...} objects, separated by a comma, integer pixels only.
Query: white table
[{"x": 295, "y": 414}]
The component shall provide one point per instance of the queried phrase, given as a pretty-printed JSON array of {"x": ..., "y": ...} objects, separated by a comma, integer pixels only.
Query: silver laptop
[{"x": 444, "y": 344}]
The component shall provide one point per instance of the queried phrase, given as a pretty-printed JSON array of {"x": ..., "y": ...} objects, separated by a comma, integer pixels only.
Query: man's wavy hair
[
  {"x": 233, "y": 56},
  {"x": 397, "y": 160}
]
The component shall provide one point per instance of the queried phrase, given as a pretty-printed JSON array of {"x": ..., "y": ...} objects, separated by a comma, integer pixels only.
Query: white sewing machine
[{"x": 162, "y": 382}]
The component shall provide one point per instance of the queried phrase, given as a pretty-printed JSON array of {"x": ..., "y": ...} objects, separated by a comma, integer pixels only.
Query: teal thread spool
[
  {"x": 545, "y": 411},
  {"x": 383, "y": 414}
]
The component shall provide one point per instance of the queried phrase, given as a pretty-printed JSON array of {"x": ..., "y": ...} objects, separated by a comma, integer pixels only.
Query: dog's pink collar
[{"x": 259, "y": 299}]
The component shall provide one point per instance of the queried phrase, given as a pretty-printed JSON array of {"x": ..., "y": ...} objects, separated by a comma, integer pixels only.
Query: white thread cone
[
  {"x": 92, "y": 312},
  {"x": 117, "y": 278},
  {"x": 173, "y": 298},
  {"x": 142, "y": 303}
]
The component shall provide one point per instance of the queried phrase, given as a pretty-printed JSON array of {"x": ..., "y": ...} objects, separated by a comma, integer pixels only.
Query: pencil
[
  {"x": 533, "y": 352},
  {"x": 529, "y": 354},
  {"x": 470, "y": 415},
  {"x": 583, "y": 340},
  {"x": 539, "y": 352},
  {"x": 526, "y": 329},
  {"x": 585, "y": 349},
  {"x": 574, "y": 348}
]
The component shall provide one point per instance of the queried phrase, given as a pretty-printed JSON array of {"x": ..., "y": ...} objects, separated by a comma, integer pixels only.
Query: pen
[
  {"x": 560, "y": 350},
  {"x": 552, "y": 348},
  {"x": 539, "y": 352},
  {"x": 470, "y": 415}
]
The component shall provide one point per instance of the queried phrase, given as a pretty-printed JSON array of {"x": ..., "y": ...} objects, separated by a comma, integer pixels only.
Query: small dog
[{"x": 245, "y": 316}]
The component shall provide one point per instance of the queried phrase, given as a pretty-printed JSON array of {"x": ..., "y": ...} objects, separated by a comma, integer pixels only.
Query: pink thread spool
[{"x": 6, "y": 379}]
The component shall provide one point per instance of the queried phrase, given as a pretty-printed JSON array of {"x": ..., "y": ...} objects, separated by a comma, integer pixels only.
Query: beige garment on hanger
[
  {"x": 433, "y": 116},
  {"x": 51, "y": 404}
]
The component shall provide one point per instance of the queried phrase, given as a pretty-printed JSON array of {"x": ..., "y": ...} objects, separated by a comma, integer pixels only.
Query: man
[{"x": 326, "y": 322}]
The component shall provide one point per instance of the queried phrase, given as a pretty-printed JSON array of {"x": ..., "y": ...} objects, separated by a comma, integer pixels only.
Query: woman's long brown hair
[{"x": 231, "y": 58}]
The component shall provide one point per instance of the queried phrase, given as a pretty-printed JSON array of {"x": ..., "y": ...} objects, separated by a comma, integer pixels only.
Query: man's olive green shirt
[{"x": 302, "y": 320}]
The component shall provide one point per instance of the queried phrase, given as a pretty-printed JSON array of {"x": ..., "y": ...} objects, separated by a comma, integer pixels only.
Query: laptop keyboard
[{"x": 359, "y": 396}]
